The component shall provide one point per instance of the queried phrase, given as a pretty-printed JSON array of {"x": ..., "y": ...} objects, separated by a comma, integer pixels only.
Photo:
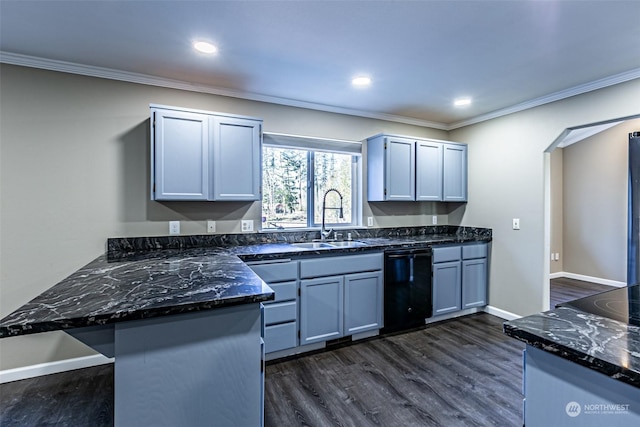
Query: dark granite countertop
[
  {"x": 147, "y": 277},
  {"x": 599, "y": 343}
]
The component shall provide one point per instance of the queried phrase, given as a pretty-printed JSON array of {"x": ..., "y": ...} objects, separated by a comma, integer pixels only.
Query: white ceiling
[{"x": 507, "y": 55}]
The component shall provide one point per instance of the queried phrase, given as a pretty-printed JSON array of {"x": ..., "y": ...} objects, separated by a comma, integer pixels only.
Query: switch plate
[
  {"x": 516, "y": 223},
  {"x": 434, "y": 219},
  {"x": 211, "y": 226},
  {"x": 246, "y": 225},
  {"x": 369, "y": 221},
  {"x": 174, "y": 227}
]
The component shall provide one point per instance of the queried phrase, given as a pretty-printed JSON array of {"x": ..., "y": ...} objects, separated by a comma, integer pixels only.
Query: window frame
[{"x": 312, "y": 146}]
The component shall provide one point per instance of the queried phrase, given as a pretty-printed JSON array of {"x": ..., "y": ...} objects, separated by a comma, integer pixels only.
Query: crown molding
[
  {"x": 556, "y": 96},
  {"x": 145, "y": 79}
]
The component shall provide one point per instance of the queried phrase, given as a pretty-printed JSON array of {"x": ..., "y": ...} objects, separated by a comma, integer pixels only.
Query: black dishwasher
[{"x": 407, "y": 288}]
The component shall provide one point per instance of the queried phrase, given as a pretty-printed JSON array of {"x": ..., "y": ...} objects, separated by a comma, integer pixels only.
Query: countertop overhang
[
  {"x": 152, "y": 277},
  {"x": 605, "y": 345}
]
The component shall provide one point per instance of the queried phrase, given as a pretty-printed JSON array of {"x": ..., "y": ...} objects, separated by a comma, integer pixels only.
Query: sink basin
[
  {"x": 347, "y": 244},
  {"x": 311, "y": 245}
]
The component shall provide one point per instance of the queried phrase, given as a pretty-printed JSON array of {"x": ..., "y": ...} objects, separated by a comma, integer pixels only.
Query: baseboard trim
[
  {"x": 16, "y": 374},
  {"x": 503, "y": 314},
  {"x": 584, "y": 278}
]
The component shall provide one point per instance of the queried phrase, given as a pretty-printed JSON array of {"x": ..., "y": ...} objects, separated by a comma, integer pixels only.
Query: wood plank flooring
[
  {"x": 564, "y": 289},
  {"x": 462, "y": 372}
]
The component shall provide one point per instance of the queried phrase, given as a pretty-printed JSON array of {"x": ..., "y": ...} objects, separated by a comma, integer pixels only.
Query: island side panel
[
  {"x": 201, "y": 368},
  {"x": 560, "y": 392}
]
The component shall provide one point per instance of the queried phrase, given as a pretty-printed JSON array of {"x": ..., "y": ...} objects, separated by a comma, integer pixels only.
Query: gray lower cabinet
[
  {"x": 363, "y": 294},
  {"x": 459, "y": 277},
  {"x": 340, "y": 296},
  {"x": 281, "y": 314},
  {"x": 446, "y": 287},
  {"x": 321, "y": 309},
  {"x": 201, "y": 155}
]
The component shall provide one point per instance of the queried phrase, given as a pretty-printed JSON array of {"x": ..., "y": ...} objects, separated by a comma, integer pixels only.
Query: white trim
[
  {"x": 591, "y": 279},
  {"x": 16, "y": 374},
  {"x": 112, "y": 74},
  {"x": 109, "y": 73},
  {"x": 503, "y": 314}
]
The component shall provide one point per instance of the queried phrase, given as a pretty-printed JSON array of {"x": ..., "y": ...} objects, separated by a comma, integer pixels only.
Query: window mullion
[{"x": 311, "y": 202}]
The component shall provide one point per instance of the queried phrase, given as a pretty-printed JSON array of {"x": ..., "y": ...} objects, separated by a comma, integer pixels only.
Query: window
[{"x": 297, "y": 172}]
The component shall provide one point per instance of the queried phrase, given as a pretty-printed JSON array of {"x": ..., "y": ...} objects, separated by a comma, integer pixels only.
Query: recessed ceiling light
[
  {"x": 205, "y": 47},
  {"x": 361, "y": 81},
  {"x": 462, "y": 102}
]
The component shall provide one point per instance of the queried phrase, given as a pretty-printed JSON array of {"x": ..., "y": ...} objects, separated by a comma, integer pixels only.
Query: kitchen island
[
  {"x": 182, "y": 318},
  {"x": 580, "y": 369}
]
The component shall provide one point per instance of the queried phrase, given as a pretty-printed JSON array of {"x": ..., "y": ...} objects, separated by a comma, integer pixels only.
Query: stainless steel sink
[
  {"x": 347, "y": 244},
  {"x": 311, "y": 245}
]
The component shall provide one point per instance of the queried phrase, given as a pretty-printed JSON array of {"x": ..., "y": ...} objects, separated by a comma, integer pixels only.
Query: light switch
[
  {"x": 369, "y": 221},
  {"x": 516, "y": 223},
  {"x": 211, "y": 226}
]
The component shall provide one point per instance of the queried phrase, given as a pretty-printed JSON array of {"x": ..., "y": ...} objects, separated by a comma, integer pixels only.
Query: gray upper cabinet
[
  {"x": 199, "y": 155},
  {"x": 236, "y": 158},
  {"x": 180, "y": 152},
  {"x": 454, "y": 173},
  {"x": 428, "y": 171},
  {"x": 415, "y": 169},
  {"x": 391, "y": 168}
]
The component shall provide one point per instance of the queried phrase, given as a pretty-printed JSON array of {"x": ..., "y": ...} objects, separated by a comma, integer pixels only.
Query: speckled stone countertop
[
  {"x": 147, "y": 277},
  {"x": 599, "y": 343}
]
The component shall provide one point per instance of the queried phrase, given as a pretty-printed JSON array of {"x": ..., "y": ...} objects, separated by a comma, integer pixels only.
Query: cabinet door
[
  {"x": 362, "y": 302},
  {"x": 446, "y": 287},
  {"x": 321, "y": 309},
  {"x": 428, "y": 171},
  {"x": 180, "y": 151},
  {"x": 474, "y": 283},
  {"x": 455, "y": 173},
  {"x": 400, "y": 172},
  {"x": 235, "y": 158}
]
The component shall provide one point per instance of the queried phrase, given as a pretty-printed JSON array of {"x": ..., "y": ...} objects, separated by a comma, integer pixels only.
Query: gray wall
[
  {"x": 507, "y": 173},
  {"x": 74, "y": 171},
  {"x": 595, "y": 178}
]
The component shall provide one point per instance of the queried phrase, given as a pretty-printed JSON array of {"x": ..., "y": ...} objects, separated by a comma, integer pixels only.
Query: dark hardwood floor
[
  {"x": 564, "y": 289},
  {"x": 462, "y": 372}
]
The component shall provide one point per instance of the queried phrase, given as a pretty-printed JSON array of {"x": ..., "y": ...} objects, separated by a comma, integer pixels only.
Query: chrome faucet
[{"x": 323, "y": 231}]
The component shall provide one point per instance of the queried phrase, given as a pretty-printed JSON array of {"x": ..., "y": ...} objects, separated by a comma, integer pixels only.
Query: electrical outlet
[
  {"x": 211, "y": 226},
  {"x": 369, "y": 221},
  {"x": 174, "y": 227},
  {"x": 516, "y": 223},
  {"x": 246, "y": 225},
  {"x": 434, "y": 219}
]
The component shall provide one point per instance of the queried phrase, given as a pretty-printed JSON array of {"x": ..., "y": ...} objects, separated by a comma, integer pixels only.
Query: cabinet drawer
[
  {"x": 276, "y": 272},
  {"x": 285, "y": 290},
  {"x": 280, "y": 337},
  {"x": 474, "y": 251},
  {"x": 280, "y": 312},
  {"x": 447, "y": 253},
  {"x": 333, "y": 266}
]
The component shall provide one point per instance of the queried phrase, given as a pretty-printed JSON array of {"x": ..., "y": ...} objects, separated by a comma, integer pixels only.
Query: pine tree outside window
[{"x": 296, "y": 173}]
